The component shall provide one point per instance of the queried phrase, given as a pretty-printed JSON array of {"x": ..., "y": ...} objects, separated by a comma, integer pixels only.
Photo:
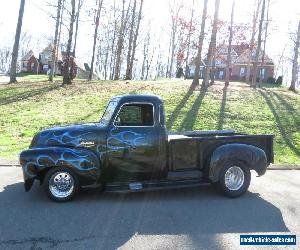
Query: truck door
[{"x": 133, "y": 143}]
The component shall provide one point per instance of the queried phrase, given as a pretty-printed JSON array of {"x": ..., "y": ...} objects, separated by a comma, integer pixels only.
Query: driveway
[
  {"x": 4, "y": 79},
  {"x": 195, "y": 218}
]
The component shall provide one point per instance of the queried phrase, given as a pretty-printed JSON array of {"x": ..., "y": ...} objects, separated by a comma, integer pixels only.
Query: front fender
[
  {"x": 82, "y": 162},
  {"x": 254, "y": 157}
]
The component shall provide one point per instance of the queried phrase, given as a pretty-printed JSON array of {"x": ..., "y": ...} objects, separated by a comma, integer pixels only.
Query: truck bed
[{"x": 192, "y": 149}]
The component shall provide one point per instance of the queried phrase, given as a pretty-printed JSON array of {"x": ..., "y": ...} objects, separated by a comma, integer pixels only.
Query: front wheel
[
  {"x": 234, "y": 179},
  {"x": 61, "y": 184}
]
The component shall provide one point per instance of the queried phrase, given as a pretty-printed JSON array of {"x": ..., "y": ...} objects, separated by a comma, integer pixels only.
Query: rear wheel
[
  {"x": 234, "y": 179},
  {"x": 61, "y": 184}
]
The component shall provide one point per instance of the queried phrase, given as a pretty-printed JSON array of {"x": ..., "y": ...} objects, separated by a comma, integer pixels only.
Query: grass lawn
[{"x": 29, "y": 106}]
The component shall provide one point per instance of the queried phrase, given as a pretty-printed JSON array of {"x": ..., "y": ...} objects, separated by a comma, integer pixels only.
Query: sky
[{"x": 284, "y": 15}]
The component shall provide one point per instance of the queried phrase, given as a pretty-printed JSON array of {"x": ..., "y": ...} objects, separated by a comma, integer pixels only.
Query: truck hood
[{"x": 81, "y": 135}]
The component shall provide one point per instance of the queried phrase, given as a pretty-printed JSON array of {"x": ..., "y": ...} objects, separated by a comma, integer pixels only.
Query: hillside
[{"x": 29, "y": 106}]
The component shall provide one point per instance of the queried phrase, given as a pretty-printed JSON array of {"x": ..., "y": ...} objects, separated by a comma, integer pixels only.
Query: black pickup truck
[{"x": 129, "y": 149}]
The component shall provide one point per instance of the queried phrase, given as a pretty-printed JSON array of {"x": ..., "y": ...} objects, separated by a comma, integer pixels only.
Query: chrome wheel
[
  {"x": 61, "y": 184},
  {"x": 234, "y": 178}
]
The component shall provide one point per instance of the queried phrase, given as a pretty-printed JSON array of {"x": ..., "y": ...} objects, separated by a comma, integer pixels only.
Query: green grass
[
  {"x": 29, "y": 77},
  {"x": 27, "y": 107}
]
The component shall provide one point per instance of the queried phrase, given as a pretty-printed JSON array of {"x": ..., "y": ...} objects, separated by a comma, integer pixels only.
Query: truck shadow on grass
[
  {"x": 283, "y": 119},
  {"x": 110, "y": 220}
]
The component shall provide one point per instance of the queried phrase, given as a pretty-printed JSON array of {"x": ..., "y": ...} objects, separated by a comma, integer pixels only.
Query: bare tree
[
  {"x": 200, "y": 44},
  {"x": 175, "y": 9},
  {"x": 130, "y": 41},
  {"x": 135, "y": 38},
  {"x": 212, "y": 45},
  {"x": 295, "y": 61},
  {"x": 227, "y": 74},
  {"x": 97, "y": 18},
  {"x": 252, "y": 41},
  {"x": 53, "y": 61},
  {"x": 258, "y": 48},
  {"x": 5, "y": 58},
  {"x": 14, "y": 57},
  {"x": 60, "y": 27},
  {"x": 79, "y": 6},
  {"x": 189, "y": 42},
  {"x": 120, "y": 43},
  {"x": 265, "y": 39},
  {"x": 67, "y": 74}
]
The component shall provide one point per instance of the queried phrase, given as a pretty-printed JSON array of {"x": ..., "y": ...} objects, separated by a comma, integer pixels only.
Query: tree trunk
[
  {"x": 80, "y": 2},
  {"x": 200, "y": 44},
  {"x": 120, "y": 45},
  {"x": 99, "y": 7},
  {"x": 212, "y": 45},
  {"x": 227, "y": 74},
  {"x": 67, "y": 73},
  {"x": 112, "y": 55},
  {"x": 53, "y": 61},
  {"x": 173, "y": 35},
  {"x": 265, "y": 41},
  {"x": 213, "y": 67},
  {"x": 135, "y": 38},
  {"x": 295, "y": 61},
  {"x": 251, "y": 45},
  {"x": 189, "y": 42},
  {"x": 258, "y": 49},
  {"x": 14, "y": 57},
  {"x": 174, "y": 15},
  {"x": 128, "y": 74},
  {"x": 144, "y": 61},
  {"x": 168, "y": 63}
]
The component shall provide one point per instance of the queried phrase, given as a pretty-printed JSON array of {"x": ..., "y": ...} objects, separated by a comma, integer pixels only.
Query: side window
[
  {"x": 135, "y": 115},
  {"x": 161, "y": 115}
]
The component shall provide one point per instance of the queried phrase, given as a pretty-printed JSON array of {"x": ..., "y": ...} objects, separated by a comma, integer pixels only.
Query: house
[
  {"x": 41, "y": 65},
  {"x": 29, "y": 63},
  {"x": 192, "y": 67},
  {"x": 240, "y": 57}
]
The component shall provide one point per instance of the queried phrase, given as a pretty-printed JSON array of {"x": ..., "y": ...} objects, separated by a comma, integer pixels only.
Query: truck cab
[
  {"x": 130, "y": 149},
  {"x": 136, "y": 138}
]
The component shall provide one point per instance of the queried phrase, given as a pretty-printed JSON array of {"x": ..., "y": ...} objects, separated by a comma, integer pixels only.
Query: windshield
[{"x": 109, "y": 112}]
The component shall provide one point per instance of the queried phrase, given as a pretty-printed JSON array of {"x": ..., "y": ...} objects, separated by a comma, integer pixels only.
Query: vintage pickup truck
[{"x": 129, "y": 149}]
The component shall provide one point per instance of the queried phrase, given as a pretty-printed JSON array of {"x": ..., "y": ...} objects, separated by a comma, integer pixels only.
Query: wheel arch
[
  {"x": 251, "y": 156},
  {"x": 36, "y": 162}
]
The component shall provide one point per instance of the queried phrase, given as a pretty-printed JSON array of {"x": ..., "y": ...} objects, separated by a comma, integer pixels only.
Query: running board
[
  {"x": 164, "y": 184},
  {"x": 184, "y": 175}
]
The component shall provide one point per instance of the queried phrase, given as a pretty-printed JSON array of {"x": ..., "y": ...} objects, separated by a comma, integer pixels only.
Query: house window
[
  {"x": 262, "y": 73},
  {"x": 134, "y": 115},
  {"x": 242, "y": 71},
  {"x": 24, "y": 64}
]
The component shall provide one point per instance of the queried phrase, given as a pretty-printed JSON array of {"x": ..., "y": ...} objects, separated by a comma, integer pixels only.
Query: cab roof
[{"x": 139, "y": 98}]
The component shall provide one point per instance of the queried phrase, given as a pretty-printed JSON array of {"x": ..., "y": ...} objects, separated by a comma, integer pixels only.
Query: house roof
[
  {"x": 244, "y": 57},
  {"x": 240, "y": 55},
  {"x": 27, "y": 56}
]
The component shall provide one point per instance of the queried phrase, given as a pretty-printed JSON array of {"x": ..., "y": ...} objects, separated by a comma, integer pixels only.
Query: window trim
[{"x": 126, "y": 103}]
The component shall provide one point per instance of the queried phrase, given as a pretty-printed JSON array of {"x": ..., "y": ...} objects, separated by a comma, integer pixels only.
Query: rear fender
[
  {"x": 82, "y": 162},
  {"x": 253, "y": 157}
]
